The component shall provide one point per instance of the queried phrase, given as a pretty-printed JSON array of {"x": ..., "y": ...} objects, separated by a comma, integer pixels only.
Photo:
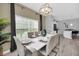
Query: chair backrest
[
  {"x": 51, "y": 44},
  {"x": 25, "y": 35},
  {"x": 20, "y": 47},
  {"x": 30, "y": 34}
]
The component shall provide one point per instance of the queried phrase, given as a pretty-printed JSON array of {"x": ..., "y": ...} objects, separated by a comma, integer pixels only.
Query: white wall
[
  {"x": 48, "y": 24},
  {"x": 74, "y": 22}
]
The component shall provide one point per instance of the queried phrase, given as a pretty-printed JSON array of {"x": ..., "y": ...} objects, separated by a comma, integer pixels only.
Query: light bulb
[
  {"x": 46, "y": 9},
  {"x": 71, "y": 24}
]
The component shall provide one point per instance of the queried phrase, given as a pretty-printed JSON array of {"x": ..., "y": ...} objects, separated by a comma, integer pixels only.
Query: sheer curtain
[{"x": 25, "y": 24}]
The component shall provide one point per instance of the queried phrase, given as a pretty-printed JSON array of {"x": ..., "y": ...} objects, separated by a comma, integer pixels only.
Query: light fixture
[
  {"x": 71, "y": 24},
  {"x": 45, "y": 9}
]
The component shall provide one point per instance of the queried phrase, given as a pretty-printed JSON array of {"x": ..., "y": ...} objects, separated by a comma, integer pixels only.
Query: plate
[
  {"x": 26, "y": 41},
  {"x": 44, "y": 39}
]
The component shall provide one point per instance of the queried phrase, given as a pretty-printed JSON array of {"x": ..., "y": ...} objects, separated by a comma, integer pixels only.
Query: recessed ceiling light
[{"x": 71, "y": 24}]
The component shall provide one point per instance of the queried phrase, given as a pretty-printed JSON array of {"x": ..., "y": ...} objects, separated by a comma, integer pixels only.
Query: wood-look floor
[{"x": 68, "y": 47}]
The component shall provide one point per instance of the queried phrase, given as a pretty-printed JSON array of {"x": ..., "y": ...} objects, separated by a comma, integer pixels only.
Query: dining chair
[
  {"x": 25, "y": 35},
  {"x": 51, "y": 44},
  {"x": 22, "y": 50}
]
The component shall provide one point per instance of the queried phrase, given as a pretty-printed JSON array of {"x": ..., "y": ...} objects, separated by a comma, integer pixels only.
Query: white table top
[{"x": 37, "y": 44}]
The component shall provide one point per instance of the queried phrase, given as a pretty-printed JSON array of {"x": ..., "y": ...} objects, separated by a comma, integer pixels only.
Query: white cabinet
[{"x": 67, "y": 34}]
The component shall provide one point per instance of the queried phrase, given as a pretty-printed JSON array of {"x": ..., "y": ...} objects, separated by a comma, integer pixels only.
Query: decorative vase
[{"x": 43, "y": 33}]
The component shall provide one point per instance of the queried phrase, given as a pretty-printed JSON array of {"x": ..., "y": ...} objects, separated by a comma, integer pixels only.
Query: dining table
[{"x": 38, "y": 42}]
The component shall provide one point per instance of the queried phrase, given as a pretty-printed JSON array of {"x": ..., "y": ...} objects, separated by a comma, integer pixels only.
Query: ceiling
[{"x": 61, "y": 11}]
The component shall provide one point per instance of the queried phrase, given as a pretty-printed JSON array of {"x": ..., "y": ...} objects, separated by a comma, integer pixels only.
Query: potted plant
[{"x": 3, "y": 36}]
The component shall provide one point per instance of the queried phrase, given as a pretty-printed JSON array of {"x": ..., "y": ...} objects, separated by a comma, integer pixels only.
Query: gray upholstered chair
[
  {"x": 51, "y": 44},
  {"x": 22, "y": 50}
]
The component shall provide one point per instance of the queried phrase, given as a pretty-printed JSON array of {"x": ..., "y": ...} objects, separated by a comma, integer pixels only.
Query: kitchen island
[{"x": 70, "y": 33}]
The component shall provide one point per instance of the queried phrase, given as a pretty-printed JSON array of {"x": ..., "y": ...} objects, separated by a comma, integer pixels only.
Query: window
[{"x": 24, "y": 24}]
